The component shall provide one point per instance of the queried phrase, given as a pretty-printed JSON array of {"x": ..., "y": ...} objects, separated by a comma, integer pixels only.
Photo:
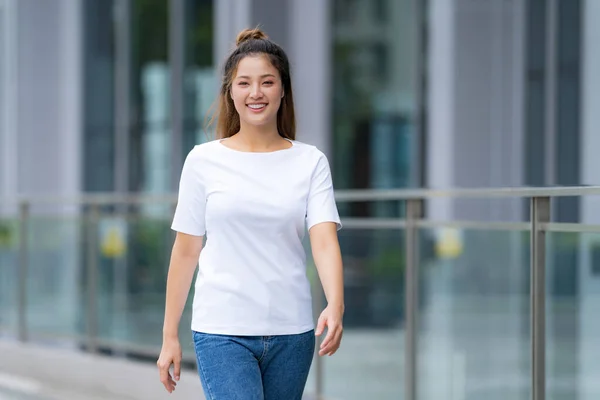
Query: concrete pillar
[
  {"x": 589, "y": 278},
  {"x": 48, "y": 149},
  {"x": 309, "y": 50},
  {"x": 231, "y": 16},
  {"x": 8, "y": 100}
]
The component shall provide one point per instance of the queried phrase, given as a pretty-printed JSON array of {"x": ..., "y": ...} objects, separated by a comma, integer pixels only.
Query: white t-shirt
[{"x": 254, "y": 209}]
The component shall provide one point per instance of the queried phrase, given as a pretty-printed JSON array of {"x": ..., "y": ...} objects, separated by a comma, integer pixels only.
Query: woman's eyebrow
[{"x": 262, "y": 76}]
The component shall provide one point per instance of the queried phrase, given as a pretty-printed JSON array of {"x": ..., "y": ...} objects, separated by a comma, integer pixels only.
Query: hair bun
[{"x": 248, "y": 34}]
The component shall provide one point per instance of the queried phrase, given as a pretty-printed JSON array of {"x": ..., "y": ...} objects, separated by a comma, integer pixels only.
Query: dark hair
[{"x": 252, "y": 42}]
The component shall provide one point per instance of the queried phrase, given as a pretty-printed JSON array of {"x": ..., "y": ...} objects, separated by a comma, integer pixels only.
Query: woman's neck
[{"x": 258, "y": 138}]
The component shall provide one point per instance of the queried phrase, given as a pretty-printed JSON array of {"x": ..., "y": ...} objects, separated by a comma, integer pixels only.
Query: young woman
[{"x": 253, "y": 192}]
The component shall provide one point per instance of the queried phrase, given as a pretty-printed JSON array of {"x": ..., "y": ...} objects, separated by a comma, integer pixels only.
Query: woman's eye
[
  {"x": 243, "y": 83},
  {"x": 268, "y": 82}
]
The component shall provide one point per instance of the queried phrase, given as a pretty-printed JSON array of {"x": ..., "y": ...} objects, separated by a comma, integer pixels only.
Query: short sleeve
[
  {"x": 321, "y": 206},
  {"x": 191, "y": 201}
]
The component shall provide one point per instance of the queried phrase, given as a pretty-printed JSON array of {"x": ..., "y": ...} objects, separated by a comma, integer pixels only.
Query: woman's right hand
[{"x": 170, "y": 354}]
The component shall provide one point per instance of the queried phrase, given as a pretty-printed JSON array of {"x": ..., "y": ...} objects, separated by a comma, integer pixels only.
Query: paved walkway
[
  {"x": 29, "y": 372},
  {"x": 32, "y": 372}
]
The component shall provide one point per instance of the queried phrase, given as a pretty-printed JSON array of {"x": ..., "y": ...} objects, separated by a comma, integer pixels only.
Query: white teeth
[{"x": 256, "y": 106}]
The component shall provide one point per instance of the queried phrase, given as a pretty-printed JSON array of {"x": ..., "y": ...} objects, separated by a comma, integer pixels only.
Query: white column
[
  {"x": 70, "y": 37},
  {"x": 440, "y": 174},
  {"x": 48, "y": 146},
  {"x": 71, "y": 77},
  {"x": 440, "y": 106},
  {"x": 309, "y": 54},
  {"x": 475, "y": 103},
  {"x": 231, "y": 16},
  {"x": 474, "y": 111},
  {"x": 39, "y": 99},
  {"x": 8, "y": 100},
  {"x": 590, "y": 205},
  {"x": 590, "y": 106},
  {"x": 48, "y": 102}
]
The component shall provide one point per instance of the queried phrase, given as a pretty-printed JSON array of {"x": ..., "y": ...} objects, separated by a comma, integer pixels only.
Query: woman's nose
[{"x": 255, "y": 92}]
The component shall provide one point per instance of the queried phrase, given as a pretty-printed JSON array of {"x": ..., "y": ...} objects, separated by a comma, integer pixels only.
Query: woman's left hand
[{"x": 331, "y": 318}]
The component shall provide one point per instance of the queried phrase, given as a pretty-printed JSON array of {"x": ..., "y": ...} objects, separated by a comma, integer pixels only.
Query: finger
[
  {"x": 172, "y": 384},
  {"x": 331, "y": 330},
  {"x": 177, "y": 369},
  {"x": 333, "y": 344},
  {"x": 328, "y": 348},
  {"x": 320, "y": 326},
  {"x": 165, "y": 378},
  {"x": 336, "y": 342}
]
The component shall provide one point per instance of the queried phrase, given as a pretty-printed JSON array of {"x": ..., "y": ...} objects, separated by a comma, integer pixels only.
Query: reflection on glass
[
  {"x": 9, "y": 251},
  {"x": 55, "y": 272},
  {"x": 374, "y": 96},
  {"x": 201, "y": 80},
  {"x": 572, "y": 324},
  {"x": 133, "y": 260},
  {"x": 474, "y": 340},
  {"x": 369, "y": 364},
  {"x": 150, "y": 136},
  {"x": 98, "y": 91}
]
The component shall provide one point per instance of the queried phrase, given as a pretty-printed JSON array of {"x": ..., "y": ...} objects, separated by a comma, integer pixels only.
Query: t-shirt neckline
[{"x": 219, "y": 142}]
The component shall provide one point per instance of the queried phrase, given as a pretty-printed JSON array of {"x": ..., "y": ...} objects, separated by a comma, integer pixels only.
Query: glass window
[
  {"x": 98, "y": 89},
  {"x": 128, "y": 69},
  {"x": 150, "y": 132},
  {"x": 201, "y": 80},
  {"x": 536, "y": 93},
  {"x": 380, "y": 10},
  {"x": 568, "y": 105},
  {"x": 375, "y": 99}
]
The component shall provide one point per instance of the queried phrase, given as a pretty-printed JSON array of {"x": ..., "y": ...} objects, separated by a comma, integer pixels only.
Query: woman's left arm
[{"x": 328, "y": 260}]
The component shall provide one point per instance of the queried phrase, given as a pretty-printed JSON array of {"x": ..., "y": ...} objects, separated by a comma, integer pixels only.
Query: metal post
[
  {"x": 419, "y": 144},
  {"x": 125, "y": 123},
  {"x": 414, "y": 210},
  {"x": 23, "y": 268},
  {"x": 122, "y": 92},
  {"x": 540, "y": 214},
  {"x": 92, "y": 277},
  {"x": 550, "y": 83}
]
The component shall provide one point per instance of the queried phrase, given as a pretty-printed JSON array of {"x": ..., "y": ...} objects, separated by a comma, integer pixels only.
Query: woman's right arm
[{"x": 184, "y": 258}]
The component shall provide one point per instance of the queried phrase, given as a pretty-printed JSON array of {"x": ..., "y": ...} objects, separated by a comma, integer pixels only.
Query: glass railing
[{"x": 452, "y": 300}]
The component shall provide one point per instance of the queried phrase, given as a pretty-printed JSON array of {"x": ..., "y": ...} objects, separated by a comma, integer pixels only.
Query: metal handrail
[
  {"x": 342, "y": 195},
  {"x": 414, "y": 199},
  {"x": 426, "y": 194}
]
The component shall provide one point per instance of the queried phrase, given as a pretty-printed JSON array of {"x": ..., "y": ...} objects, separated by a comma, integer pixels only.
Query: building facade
[{"x": 110, "y": 96}]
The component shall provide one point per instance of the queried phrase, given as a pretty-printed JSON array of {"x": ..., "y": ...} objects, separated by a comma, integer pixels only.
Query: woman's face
[{"x": 256, "y": 91}]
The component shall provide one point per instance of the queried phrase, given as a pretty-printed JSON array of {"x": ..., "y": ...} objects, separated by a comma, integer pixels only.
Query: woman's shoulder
[
  {"x": 203, "y": 149},
  {"x": 309, "y": 149}
]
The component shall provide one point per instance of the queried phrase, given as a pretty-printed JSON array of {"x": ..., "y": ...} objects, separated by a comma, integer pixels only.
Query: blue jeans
[{"x": 254, "y": 367}]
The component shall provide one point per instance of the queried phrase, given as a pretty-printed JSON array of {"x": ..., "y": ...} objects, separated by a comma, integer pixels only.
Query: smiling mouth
[{"x": 257, "y": 106}]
